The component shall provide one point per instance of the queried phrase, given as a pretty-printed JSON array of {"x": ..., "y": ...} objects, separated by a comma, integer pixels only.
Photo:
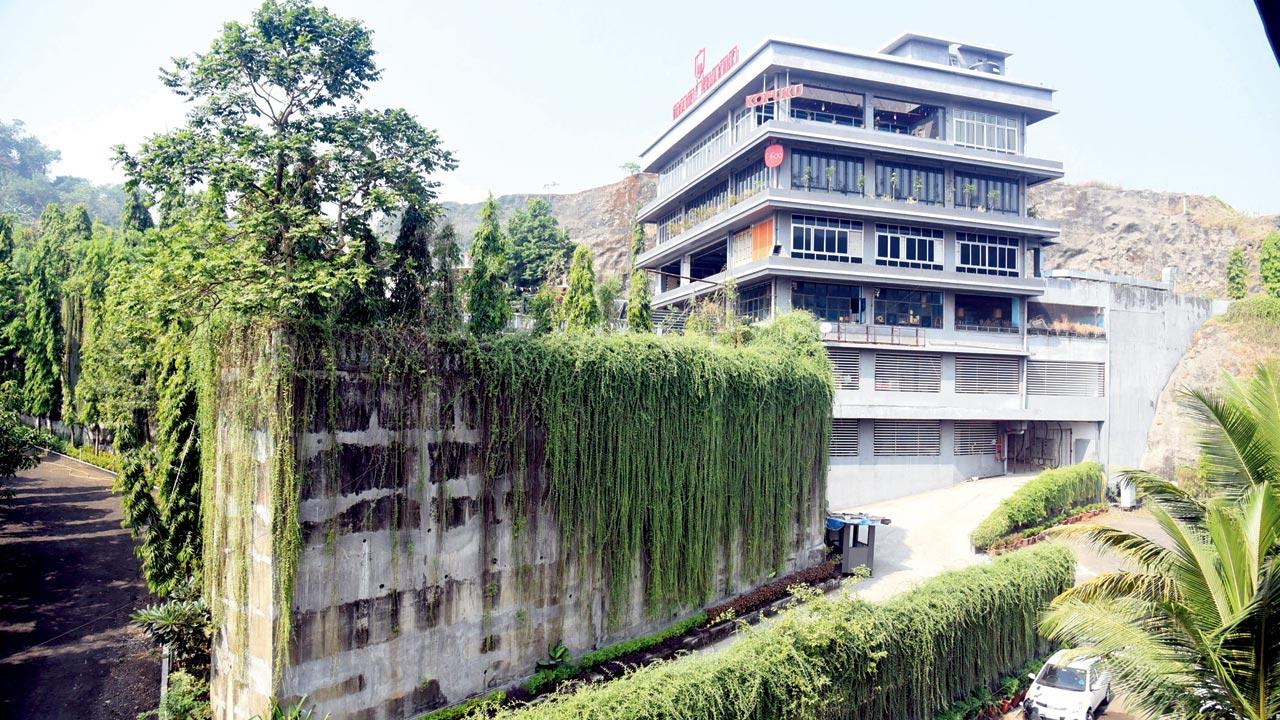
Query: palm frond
[{"x": 1229, "y": 439}]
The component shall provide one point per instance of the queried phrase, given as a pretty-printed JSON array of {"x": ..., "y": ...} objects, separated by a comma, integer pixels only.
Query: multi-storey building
[{"x": 886, "y": 194}]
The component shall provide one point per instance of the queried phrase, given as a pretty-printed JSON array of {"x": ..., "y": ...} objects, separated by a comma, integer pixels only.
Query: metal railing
[{"x": 873, "y": 334}]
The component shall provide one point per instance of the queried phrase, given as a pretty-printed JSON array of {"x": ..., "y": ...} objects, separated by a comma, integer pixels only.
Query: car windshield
[{"x": 1062, "y": 678}]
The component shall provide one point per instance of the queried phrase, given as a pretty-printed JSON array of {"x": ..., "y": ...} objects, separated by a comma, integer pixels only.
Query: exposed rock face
[
  {"x": 1139, "y": 232},
  {"x": 1104, "y": 228},
  {"x": 600, "y": 217},
  {"x": 1218, "y": 347}
]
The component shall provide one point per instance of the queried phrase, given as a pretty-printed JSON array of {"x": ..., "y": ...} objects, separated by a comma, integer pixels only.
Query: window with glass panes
[
  {"x": 750, "y": 180},
  {"x": 905, "y": 306},
  {"x": 756, "y": 301},
  {"x": 824, "y": 238},
  {"x": 828, "y": 301},
  {"x": 828, "y": 106},
  {"x": 985, "y": 131},
  {"x": 900, "y": 181},
  {"x": 819, "y": 171},
  {"x": 987, "y": 254},
  {"x": 907, "y": 246},
  {"x": 991, "y": 193}
]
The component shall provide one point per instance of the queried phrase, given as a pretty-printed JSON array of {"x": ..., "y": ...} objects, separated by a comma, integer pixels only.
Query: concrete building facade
[{"x": 885, "y": 193}]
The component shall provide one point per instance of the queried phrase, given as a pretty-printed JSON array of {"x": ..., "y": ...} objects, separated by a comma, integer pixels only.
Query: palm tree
[{"x": 1194, "y": 629}]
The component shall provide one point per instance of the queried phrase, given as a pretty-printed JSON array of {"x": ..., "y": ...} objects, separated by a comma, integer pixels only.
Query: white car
[{"x": 1075, "y": 689}]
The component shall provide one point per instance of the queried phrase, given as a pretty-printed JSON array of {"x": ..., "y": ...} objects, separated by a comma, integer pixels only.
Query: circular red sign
[{"x": 773, "y": 156}]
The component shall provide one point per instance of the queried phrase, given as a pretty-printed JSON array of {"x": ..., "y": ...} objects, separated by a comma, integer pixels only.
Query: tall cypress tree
[
  {"x": 443, "y": 308},
  {"x": 134, "y": 215},
  {"x": 46, "y": 270},
  {"x": 411, "y": 265},
  {"x": 637, "y": 241},
  {"x": 1237, "y": 274},
  {"x": 487, "y": 301},
  {"x": 639, "y": 315},
  {"x": 581, "y": 311},
  {"x": 1269, "y": 264}
]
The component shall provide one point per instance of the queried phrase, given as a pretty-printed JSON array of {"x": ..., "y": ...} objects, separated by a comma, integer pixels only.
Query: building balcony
[
  {"x": 843, "y": 137},
  {"x": 716, "y": 222}
]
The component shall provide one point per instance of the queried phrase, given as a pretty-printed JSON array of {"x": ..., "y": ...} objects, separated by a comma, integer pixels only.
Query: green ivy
[
  {"x": 1051, "y": 494},
  {"x": 841, "y": 657}
]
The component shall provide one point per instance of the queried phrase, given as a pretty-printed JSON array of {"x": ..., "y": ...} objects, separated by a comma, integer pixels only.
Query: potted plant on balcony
[
  {"x": 968, "y": 189},
  {"x": 993, "y": 196},
  {"x": 893, "y": 184},
  {"x": 917, "y": 189},
  {"x": 861, "y": 183},
  {"x": 806, "y": 178},
  {"x": 831, "y": 177}
]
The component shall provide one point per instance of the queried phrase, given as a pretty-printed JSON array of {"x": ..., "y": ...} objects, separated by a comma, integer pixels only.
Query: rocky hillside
[
  {"x": 1233, "y": 343},
  {"x": 1104, "y": 228},
  {"x": 1139, "y": 232},
  {"x": 601, "y": 217}
]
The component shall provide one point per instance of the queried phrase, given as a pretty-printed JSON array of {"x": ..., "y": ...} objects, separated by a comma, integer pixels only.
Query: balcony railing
[
  {"x": 988, "y": 328},
  {"x": 873, "y": 334},
  {"x": 1078, "y": 330}
]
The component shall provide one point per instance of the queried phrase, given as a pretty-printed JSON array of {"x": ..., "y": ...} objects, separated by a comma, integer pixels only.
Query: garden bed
[{"x": 1031, "y": 537}]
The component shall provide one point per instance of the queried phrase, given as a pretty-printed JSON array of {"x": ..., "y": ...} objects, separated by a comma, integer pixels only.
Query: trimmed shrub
[
  {"x": 841, "y": 657},
  {"x": 1049, "y": 496}
]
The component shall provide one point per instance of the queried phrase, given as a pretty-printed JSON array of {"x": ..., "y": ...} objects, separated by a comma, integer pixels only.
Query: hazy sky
[{"x": 554, "y": 96}]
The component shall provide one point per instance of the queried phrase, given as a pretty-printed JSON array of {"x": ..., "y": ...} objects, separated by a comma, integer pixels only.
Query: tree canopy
[{"x": 539, "y": 247}]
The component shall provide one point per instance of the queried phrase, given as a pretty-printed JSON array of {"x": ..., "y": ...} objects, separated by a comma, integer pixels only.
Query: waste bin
[{"x": 853, "y": 535}]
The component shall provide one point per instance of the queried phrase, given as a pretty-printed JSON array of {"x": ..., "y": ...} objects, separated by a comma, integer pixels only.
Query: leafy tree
[
  {"x": 1237, "y": 274},
  {"x": 543, "y": 307},
  {"x": 45, "y": 267},
  {"x": 135, "y": 215},
  {"x": 580, "y": 309},
  {"x": 487, "y": 301},
  {"x": 1189, "y": 631},
  {"x": 277, "y": 134},
  {"x": 639, "y": 314},
  {"x": 607, "y": 293},
  {"x": 11, "y": 314},
  {"x": 1269, "y": 264},
  {"x": 411, "y": 268},
  {"x": 16, "y": 441},
  {"x": 538, "y": 245},
  {"x": 25, "y": 186}
]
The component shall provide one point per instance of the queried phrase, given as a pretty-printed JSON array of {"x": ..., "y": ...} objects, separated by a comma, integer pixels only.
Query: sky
[{"x": 557, "y": 96}]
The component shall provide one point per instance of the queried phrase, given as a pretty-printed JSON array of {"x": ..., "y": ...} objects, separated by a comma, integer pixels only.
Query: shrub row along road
[{"x": 68, "y": 583}]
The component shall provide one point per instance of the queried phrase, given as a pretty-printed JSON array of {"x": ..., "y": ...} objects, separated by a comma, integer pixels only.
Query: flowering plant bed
[{"x": 1021, "y": 540}]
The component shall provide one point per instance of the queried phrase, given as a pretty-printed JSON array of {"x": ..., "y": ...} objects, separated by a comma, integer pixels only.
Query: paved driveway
[{"x": 68, "y": 582}]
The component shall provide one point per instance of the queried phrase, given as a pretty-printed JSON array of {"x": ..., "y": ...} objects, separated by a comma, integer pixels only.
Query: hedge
[
  {"x": 1050, "y": 495},
  {"x": 841, "y": 657}
]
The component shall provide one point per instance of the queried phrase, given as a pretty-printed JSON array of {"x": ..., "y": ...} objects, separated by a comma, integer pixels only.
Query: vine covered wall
[{"x": 396, "y": 521}]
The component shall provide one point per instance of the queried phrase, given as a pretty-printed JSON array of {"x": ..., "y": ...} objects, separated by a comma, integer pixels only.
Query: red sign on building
[
  {"x": 707, "y": 79},
  {"x": 768, "y": 96},
  {"x": 773, "y": 155},
  {"x": 699, "y": 63}
]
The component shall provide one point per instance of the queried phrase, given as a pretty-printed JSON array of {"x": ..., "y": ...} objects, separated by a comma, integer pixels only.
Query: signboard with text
[
  {"x": 774, "y": 95},
  {"x": 707, "y": 78}
]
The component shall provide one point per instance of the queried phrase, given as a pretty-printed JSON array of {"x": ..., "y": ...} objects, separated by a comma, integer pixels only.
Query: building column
[{"x": 686, "y": 269}]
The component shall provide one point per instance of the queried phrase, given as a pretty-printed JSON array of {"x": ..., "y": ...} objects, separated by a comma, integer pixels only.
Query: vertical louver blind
[
  {"x": 987, "y": 374},
  {"x": 975, "y": 437},
  {"x": 1053, "y": 377},
  {"x": 908, "y": 372},
  {"x": 844, "y": 437},
  {"x": 898, "y": 438},
  {"x": 845, "y": 367}
]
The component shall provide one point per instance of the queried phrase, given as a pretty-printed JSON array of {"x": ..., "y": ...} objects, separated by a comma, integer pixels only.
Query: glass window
[
  {"x": 740, "y": 248},
  {"x": 823, "y": 238},
  {"x": 751, "y": 180},
  {"x": 828, "y": 301},
  {"x": 988, "y": 193},
  {"x": 1065, "y": 320},
  {"x": 985, "y": 130},
  {"x": 986, "y": 312},
  {"x": 899, "y": 181},
  {"x": 907, "y": 117},
  {"x": 899, "y": 306},
  {"x": 828, "y": 106},
  {"x": 906, "y": 246},
  {"x": 987, "y": 254},
  {"x": 833, "y": 173},
  {"x": 756, "y": 302}
]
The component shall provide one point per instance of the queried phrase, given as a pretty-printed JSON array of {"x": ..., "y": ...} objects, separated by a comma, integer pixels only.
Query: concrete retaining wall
[{"x": 414, "y": 589}]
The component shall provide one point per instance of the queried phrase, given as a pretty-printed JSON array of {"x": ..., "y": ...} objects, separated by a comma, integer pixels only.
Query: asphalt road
[{"x": 68, "y": 583}]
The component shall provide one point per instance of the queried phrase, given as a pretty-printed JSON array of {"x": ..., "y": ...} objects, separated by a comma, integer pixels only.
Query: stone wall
[{"x": 419, "y": 582}]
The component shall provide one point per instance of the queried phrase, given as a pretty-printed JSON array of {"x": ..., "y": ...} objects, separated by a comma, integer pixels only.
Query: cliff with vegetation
[
  {"x": 1232, "y": 344},
  {"x": 1104, "y": 228}
]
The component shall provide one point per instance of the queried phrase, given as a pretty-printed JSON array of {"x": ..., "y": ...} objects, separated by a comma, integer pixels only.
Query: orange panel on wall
[{"x": 762, "y": 239}]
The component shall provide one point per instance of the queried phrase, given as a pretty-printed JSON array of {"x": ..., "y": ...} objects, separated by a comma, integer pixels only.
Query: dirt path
[{"x": 68, "y": 582}]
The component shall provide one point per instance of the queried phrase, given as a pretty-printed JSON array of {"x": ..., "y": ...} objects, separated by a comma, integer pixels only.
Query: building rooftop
[{"x": 896, "y": 43}]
